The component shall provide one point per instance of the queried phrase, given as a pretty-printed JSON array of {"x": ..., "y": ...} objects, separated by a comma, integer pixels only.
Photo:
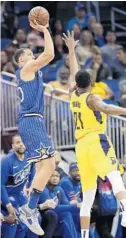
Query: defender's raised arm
[{"x": 74, "y": 67}]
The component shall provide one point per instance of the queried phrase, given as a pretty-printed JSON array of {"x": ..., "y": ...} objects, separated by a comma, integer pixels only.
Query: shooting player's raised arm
[{"x": 47, "y": 56}]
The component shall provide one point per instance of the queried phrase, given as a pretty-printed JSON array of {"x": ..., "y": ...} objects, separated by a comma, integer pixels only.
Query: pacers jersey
[
  {"x": 31, "y": 95},
  {"x": 86, "y": 120}
]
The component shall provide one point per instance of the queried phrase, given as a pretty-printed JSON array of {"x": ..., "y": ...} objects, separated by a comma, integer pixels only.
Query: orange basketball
[{"x": 40, "y": 14}]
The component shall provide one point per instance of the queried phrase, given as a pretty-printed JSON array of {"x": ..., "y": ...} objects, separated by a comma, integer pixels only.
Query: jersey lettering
[
  {"x": 78, "y": 121},
  {"x": 19, "y": 177},
  {"x": 76, "y": 104},
  {"x": 86, "y": 120},
  {"x": 22, "y": 175}
]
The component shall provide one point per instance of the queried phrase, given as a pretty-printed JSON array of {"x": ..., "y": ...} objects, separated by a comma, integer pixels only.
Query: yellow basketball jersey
[
  {"x": 100, "y": 89},
  {"x": 86, "y": 120}
]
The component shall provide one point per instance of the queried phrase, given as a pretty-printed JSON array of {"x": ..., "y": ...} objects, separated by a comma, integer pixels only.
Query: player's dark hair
[
  {"x": 13, "y": 137},
  {"x": 83, "y": 79},
  {"x": 17, "y": 54}
]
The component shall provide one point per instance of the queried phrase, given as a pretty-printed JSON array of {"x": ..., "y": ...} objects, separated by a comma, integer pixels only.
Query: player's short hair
[
  {"x": 17, "y": 55},
  {"x": 14, "y": 136},
  {"x": 83, "y": 79}
]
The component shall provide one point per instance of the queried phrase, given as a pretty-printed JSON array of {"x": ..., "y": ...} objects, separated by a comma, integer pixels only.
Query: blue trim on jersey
[
  {"x": 98, "y": 116},
  {"x": 104, "y": 143}
]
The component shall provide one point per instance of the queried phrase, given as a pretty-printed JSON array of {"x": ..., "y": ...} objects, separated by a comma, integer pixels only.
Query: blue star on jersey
[{"x": 44, "y": 153}]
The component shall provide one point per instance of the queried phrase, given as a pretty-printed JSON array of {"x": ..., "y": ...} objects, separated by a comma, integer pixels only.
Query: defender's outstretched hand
[
  {"x": 74, "y": 67},
  {"x": 38, "y": 27},
  {"x": 69, "y": 40}
]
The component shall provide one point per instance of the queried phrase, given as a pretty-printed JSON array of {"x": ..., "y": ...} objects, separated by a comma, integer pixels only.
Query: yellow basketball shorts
[{"x": 96, "y": 157}]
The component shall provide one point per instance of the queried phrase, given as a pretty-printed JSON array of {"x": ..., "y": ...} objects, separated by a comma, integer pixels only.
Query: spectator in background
[
  {"x": 35, "y": 42},
  {"x": 71, "y": 185},
  {"x": 60, "y": 207},
  {"x": 91, "y": 21},
  {"x": 84, "y": 47},
  {"x": 59, "y": 48},
  {"x": 77, "y": 31},
  {"x": 119, "y": 65},
  {"x": 103, "y": 90},
  {"x": 12, "y": 190},
  {"x": 98, "y": 34},
  {"x": 109, "y": 50},
  {"x": 100, "y": 70},
  {"x": 57, "y": 27},
  {"x": 122, "y": 88},
  {"x": 20, "y": 37},
  {"x": 49, "y": 217},
  {"x": 7, "y": 58},
  {"x": 62, "y": 81},
  {"x": 64, "y": 66},
  {"x": 4, "y": 59},
  {"x": 72, "y": 188},
  {"x": 120, "y": 72},
  {"x": 11, "y": 48},
  {"x": 9, "y": 25},
  {"x": 10, "y": 68},
  {"x": 80, "y": 17}
]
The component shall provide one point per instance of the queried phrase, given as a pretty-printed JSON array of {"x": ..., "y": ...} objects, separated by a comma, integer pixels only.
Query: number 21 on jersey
[{"x": 78, "y": 121}]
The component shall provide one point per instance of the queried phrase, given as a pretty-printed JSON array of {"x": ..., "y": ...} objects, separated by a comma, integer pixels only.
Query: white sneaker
[
  {"x": 123, "y": 221},
  {"x": 122, "y": 205},
  {"x": 30, "y": 218}
]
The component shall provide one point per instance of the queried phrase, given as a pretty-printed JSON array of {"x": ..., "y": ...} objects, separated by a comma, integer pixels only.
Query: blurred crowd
[
  {"x": 96, "y": 50},
  {"x": 59, "y": 203}
]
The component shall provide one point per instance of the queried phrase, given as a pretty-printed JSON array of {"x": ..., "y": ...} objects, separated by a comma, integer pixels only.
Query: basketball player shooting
[
  {"x": 31, "y": 123},
  {"x": 94, "y": 150}
]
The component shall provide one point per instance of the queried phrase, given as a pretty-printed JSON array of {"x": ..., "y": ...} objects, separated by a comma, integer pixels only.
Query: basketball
[{"x": 40, "y": 14}]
